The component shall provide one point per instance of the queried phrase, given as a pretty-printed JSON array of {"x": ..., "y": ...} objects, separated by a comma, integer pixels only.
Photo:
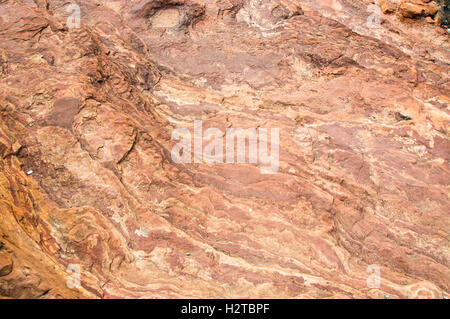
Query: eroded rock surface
[{"x": 86, "y": 176}]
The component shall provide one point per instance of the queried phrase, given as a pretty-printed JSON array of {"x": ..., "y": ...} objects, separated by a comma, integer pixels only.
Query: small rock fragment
[
  {"x": 300, "y": 120},
  {"x": 16, "y": 147},
  {"x": 400, "y": 117},
  {"x": 387, "y": 7},
  {"x": 13, "y": 150},
  {"x": 415, "y": 8}
]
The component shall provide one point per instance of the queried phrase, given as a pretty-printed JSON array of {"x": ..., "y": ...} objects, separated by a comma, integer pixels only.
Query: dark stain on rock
[
  {"x": 6, "y": 264},
  {"x": 401, "y": 117},
  {"x": 63, "y": 113}
]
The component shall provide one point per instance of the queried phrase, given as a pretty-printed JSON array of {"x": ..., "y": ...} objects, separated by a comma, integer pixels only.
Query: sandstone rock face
[
  {"x": 416, "y": 8},
  {"x": 361, "y": 101}
]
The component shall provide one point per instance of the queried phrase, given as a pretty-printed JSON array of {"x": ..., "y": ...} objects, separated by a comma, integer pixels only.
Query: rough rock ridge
[{"x": 86, "y": 176}]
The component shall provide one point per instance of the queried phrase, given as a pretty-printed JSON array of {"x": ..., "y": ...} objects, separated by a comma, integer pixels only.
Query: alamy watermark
[
  {"x": 74, "y": 280},
  {"x": 74, "y": 19},
  {"x": 374, "y": 19},
  {"x": 234, "y": 142},
  {"x": 374, "y": 279}
]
